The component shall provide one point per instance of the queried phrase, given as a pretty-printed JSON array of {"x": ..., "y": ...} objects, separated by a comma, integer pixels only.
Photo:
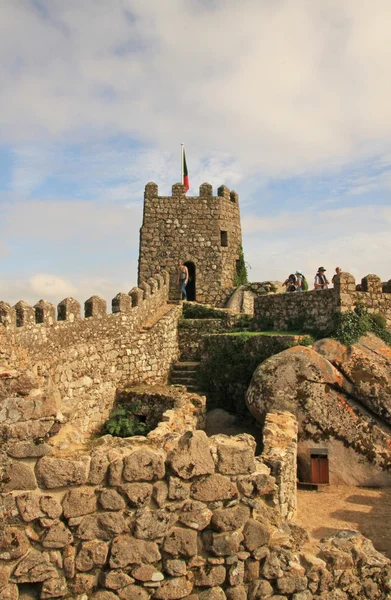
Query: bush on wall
[
  {"x": 122, "y": 422},
  {"x": 240, "y": 277},
  {"x": 352, "y": 324}
]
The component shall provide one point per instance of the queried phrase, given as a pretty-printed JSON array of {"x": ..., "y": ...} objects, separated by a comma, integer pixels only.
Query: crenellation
[
  {"x": 7, "y": 315},
  {"x": 234, "y": 196},
  {"x": 372, "y": 284},
  {"x": 121, "y": 303},
  {"x": 151, "y": 190},
  {"x": 146, "y": 289},
  {"x": 69, "y": 309},
  {"x": 95, "y": 307},
  {"x": 45, "y": 312},
  {"x": 206, "y": 190},
  {"x": 25, "y": 314},
  {"x": 178, "y": 190},
  {"x": 137, "y": 296},
  {"x": 153, "y": 284},
  {"x": 223, "y": 192}
]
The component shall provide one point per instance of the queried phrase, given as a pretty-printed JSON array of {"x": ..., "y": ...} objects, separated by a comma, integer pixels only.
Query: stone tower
[{"x": 203, "y": 231}]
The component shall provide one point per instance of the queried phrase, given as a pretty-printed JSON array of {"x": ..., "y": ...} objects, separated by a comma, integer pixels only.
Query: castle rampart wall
[
  {"x": 87, "y": 359},
  {"x": 318, "y": 308}
]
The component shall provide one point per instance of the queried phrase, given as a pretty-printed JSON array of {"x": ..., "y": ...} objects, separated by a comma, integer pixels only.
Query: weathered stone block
[
  {"x": 228, "y": 519},
  {"x": 78, "y": 502},
  {"x": 103, "y": 526},
  {"x": 209, "y": 576},
  {"x": 18, "y": 476},
  {"x": 143, "y": 465},
  {"x": 223, "y": 544},
  {"x": 255, "y": 535},
  {"x": 127, "y": 550},
  {"x": 111, "y": 500},
  {"x": 138, "y": 494},
  {"x": 192, "y": 456},
  {"x": 58, "y": 536},
  {"x": 53, "y": 472},
  {"x": 213, "y": 487},
  {"x": 68, "y": 310},
  {"x": 174, "y": 589},
  {"x": 195, "y": 515},
  {"x": 181, "y": 542},
  {"x": 235, "y": 456},
  {"x": 13, "y": 543},
  {"x": 91, "y": 554},
  {"x": 216, "y": 593},
  {"x": 178, "y": 489},
  {"x": 152, "y": 524}
]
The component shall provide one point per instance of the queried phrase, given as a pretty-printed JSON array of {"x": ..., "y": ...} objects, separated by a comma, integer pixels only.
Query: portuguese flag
[{"x": 185, "y": 175}]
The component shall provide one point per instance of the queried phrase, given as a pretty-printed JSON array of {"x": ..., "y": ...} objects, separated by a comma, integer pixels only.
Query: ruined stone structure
[
  {"x": 319, "y": 308},
  {"x": 203, "y": 231},
  {"x": 173, "y": 514}
]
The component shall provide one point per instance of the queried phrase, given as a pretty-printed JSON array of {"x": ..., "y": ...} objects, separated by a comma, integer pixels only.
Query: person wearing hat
[{"x": 321, "y": 282}]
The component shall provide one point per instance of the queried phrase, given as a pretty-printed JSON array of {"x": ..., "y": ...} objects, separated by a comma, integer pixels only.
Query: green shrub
[
  {"x": 122, "y": 422},
  {"x": 199, "y": 311},
  {"x": 240, "y": 277},
  {"x": 352, "y": 324}
]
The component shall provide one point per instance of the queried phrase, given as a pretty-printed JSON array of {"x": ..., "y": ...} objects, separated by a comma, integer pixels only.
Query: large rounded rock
[
  {"x": 288, "y": 380},
  {"x": 367, "y": 365},
  {"x": 327, "y": 404}
]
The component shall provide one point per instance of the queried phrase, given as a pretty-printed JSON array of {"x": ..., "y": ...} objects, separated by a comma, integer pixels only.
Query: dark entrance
[
  {"x": 191, "y": 284},
  {"x": 319, "y": 468}
]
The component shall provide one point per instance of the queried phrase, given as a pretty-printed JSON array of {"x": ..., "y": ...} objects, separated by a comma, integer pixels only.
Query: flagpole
[{"x": 182, "y": 173}]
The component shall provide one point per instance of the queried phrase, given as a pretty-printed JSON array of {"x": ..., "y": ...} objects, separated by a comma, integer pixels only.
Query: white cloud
[
  {"x": 357, "y": 239},
  {"x": 49, "y": 286},
  {"x": 287, "y": 87}
]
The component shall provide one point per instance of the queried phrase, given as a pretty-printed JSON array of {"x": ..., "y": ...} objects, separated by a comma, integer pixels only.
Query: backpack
[{"x": 304, "y": 284}]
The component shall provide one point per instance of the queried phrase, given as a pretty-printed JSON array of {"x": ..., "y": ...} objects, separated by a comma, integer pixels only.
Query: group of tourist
[{"x": 296, "y": 282}]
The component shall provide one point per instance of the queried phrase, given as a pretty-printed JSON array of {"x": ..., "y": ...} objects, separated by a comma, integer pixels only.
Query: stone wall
[
  {"x": 191, "y": 332},
  {"x": 167, "y": 518},
  {"x": 292, "y": 310},
  {"x": 85, "y": 360},
  {"x": 280, "y": 454},
  {"x": 317, "y": 308},
  {"x": 204, "y": 230}
]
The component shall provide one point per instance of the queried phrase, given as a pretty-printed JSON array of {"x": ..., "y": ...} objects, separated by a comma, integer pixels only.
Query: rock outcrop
[{"x": 336, "y": 393}]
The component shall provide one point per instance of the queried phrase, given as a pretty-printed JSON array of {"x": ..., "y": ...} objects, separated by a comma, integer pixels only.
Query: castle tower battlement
[{"x": 203, "y": 231}]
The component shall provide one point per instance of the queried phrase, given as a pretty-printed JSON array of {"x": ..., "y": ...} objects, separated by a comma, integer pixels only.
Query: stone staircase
[{"x": 184, "y": 372}]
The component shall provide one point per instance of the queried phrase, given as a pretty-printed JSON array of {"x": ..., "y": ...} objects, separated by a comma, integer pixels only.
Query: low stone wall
[
  {"x": 293, "y": 310},
  {"x": 191, "y": 332},
  {"x": 170, "y": 517},
  {"x": 280, "y": 454},
  {"x": 318, "y": 308}
]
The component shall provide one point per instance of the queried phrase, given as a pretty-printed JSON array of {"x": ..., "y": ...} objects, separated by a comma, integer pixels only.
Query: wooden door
[{"x": 319, "y": 469}]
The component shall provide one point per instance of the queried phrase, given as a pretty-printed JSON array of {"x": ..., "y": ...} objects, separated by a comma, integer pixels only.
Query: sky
[{"x": 287, "y": 102}]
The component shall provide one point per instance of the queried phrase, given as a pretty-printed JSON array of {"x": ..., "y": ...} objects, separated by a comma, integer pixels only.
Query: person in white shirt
[{"x": 321, "y": 282}]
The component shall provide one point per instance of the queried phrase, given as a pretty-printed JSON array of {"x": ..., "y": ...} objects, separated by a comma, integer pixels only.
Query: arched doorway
[{"x": 191, "y": 284}]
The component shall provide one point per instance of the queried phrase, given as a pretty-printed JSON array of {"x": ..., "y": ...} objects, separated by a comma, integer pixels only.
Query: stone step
[
  {"x": 184, "y": 377},
  {"x": 186, "y": 366}
]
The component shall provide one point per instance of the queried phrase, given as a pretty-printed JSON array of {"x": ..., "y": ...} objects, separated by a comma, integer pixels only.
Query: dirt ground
[{"x": 333, "y": 508}]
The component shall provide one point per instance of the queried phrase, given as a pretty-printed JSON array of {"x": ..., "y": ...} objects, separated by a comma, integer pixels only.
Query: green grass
[{"x": 253, "y": 333}]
